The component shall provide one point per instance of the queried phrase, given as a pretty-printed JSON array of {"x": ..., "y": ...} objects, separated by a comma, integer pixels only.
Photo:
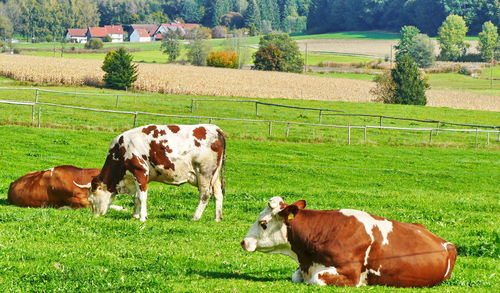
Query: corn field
[{"x": 190, "y": 80}]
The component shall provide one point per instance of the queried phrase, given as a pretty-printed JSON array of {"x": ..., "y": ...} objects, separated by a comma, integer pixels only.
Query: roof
[
  {"x": 114, "y": 29},
  {"x": 77, "y": 32},
  {"x": 142, "y": 33},
  {"x": 98, "y": 32},
  {"x": 150, "y": 28},
  {"x": 182, "y": 25}
]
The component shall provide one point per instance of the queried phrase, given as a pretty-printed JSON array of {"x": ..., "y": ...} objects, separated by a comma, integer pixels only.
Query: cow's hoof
[
  {"x": 218, "y": 220},
  {"x": 136, "y": 216},
  {"x": 194, "y": 219},
  {"x": 143, "y": 219}
]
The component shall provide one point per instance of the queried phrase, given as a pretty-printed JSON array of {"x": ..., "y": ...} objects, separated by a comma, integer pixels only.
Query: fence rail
[{"x": 268, "y": 122}]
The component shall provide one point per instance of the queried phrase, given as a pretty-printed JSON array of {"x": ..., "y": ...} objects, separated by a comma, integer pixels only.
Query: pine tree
[
  {"x": 120, "y": 72},
  {"x": 252, "y": 16},
  {"x": 409, "y": 85}
]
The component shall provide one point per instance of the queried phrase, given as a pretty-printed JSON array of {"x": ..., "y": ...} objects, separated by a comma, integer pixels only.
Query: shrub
[
  {"x": 269, "y": 58},
  {"x": 422, "y": 51},
  {"x": 94, "y": 44},
  {"x": 120, "y": 72},
  {"x": 384, "y": 91},
  {"x": 107, "y": 39},
  {"x": 226, "y": 59},
  {"x": 292, "y": 60}
]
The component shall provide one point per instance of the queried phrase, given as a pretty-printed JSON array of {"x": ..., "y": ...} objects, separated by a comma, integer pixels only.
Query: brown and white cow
[
  {"x": 351, "y": 248},
  {"x": 172, "y": 154},
  {"x": 54, "y": 187}
]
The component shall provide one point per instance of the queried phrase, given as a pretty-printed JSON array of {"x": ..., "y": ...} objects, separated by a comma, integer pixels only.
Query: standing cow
[
  {"x": 351, "y": 248},
  {"x": 172, "y": 154},
  {"x": 53, "y": 187}
]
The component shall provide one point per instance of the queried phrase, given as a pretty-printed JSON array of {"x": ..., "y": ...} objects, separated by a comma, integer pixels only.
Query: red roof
[
  {"x": 98, "y": 32},
  {"x": 150, "y": 28},
  {"x": 77, "y": 32},
  {"x": 142, "y": 33},
  {"x": 179, "y": 24},
  {"x": 114, "y": 29}
]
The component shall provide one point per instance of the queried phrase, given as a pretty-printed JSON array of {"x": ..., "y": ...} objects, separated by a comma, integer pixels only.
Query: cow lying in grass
[
  {"x": 54, "y": 187},
  {"x": 350, "y": 247}
]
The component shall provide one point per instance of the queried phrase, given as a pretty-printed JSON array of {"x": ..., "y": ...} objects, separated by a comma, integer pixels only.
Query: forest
[{"x": 43, "y": 18}]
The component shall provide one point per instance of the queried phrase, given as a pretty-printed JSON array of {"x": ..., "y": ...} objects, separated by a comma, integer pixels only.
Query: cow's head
[
  {"x": 269, "y": 233},
  {"x": 100, "y": 197}
]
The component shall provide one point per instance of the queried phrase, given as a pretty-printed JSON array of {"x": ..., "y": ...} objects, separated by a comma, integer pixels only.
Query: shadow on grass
[
  {"x": 221, "y": 275},
  {"x": 4, "y": 202}
]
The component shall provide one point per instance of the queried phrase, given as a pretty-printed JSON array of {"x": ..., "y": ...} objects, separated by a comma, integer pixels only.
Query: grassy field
[{"x": 453, "y": 191}]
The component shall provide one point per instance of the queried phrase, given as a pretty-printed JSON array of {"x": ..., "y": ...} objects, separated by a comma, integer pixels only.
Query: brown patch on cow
[
  {"x": 157, "y": 155},
  {"x": 136, "y": 166},
  {"x": 174, "y": 128},
  {"x": 168, "y": 149},
  {"x": 200, "y": 133},
  {"x": 144, "y": 157},
  {"x": 197, "y": 143},
  {"x": 149, "y": 129},
  {"x": 162, "y": 132},
  {"x": 120, "y": 140},
  {"x": 113, "y": 170},
  {"x": 335, "y": 280}
]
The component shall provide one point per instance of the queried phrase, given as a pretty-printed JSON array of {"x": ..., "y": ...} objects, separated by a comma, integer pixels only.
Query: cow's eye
[{"x": 263, "y": 224}]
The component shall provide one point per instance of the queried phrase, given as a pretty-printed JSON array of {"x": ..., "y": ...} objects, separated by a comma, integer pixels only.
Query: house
[
  {"x": 150, "y": 28},
  {"x": 140, "y": 35},
  {"x": 76, "y": 35},
  {"x": 174, "y": 26},
  {"x": 115, "y": 32}
]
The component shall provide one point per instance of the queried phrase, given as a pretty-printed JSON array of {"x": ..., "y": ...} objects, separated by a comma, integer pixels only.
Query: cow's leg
[
  {"x": 219, "y": 197},
  {"x": 297, "y": 276},
  {"x": 204, "y": 188},
  {"x": 141, "y": 194},
  {"x": 343, "y": 276}
]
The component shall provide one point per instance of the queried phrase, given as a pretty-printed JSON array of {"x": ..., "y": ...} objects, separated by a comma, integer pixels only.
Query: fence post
[
  {"x": 365, "y": 133},
  {"x": 192, "y": 105},
  {"x": 320, "y": 116},
  {"x": 256, "y": 108},
  {"x": 349, "y": 134},
  {"x": 135, "y": 118},
  {"x": 210, "y": 121},
  {"x": 498, "y": 129},
  {"x": 476, "y": 136},
  {"x": 33, "y": 114},
  {"x": 36, "y": 96},
  {"x": 270, "y": 128},
  {"x": 287, "y": 129},
  {"x": 430, "y": 137},
  {"x": 438, "y": 125},
  {"x": 39, "y": 116},
  {"x": 380, "y": 122},
  {"x": 116, "y": 105}
]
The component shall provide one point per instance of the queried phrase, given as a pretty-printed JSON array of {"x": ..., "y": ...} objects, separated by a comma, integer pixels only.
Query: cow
[
  {"x": 54, "y": 187},
  {"x": 350, "y": 247},
  {"x": 171, "y": 154}
]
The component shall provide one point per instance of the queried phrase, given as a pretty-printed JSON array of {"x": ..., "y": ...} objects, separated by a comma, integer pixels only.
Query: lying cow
[
  {"x": 351, "y": 248},
  {"x": 54, "y": 187},
  {"x": 173, "y": 154}
]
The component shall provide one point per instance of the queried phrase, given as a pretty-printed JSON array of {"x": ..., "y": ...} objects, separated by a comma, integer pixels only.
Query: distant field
[{"x": 351, "y": 35}]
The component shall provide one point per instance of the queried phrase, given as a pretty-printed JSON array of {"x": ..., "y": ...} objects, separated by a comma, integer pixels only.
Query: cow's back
[
  {"x": 53, "y": 187},
  {"x": 413, "y": 257}
]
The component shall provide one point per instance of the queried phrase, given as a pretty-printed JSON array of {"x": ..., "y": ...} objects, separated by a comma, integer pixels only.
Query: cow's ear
[
  {"x": 301, "y": 204},
  {"x": 289, "y": 212}
]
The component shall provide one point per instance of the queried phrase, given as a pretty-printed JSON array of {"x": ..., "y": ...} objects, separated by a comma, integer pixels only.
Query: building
[
  {"x": 76, "y": 35},
  {"x": 179, "y": 27},
  {"x": 140, "y": 35},
  {"x": 114, "y": 32}
]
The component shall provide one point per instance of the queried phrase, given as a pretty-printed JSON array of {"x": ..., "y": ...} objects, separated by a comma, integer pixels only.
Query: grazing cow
[
  {"x": 351, "y": 248},
  {"x": 172, "y": 154},
  {"x": 53, "y": 187}
]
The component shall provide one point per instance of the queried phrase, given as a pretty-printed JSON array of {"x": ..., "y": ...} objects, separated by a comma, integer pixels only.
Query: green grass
[
  {"x": 351, "y": 36},
  {"x": 317, "y": 58},
  {"x": 455, "y": 81},
  {"x": 453, "y": 191}
]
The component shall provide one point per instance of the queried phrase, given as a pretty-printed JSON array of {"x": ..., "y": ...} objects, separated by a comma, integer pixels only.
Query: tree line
[{"x": 46, "y": 18}]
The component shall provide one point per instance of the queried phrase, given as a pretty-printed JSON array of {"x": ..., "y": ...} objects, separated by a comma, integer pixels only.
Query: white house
[
  {"x": 115, "y": 32},
  {"x": 76, "y": 35},
  {"x": 140, "y": 35},
  {"x": 174, "y": 26}
]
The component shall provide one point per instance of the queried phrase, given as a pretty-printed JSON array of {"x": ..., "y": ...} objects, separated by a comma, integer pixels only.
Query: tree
[
  {"x": 252, "y": 17},
  {"x": 171, "y": 46},
  {"x": 408, "y": 34},
  {"x": 94, "y": 44},
  {"x": 409, "y": 85},
  {"x": 292, "y": 59},
  {"x": 384, "y": 91},
  {"x": 269, "y": 58},
  {"x": 422, "y": 51},
  {"x": 5, "y": 28},
  {"x": 120, "y": 72},
  {"x": 451, "y": 36},
  {"x": 226, "y": 59},
  {"x": 198, "y": 49},
  {"x": 488, "y": 39}
]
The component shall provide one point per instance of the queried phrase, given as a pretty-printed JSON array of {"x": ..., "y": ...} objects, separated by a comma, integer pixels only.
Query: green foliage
[
  {"x": 292, "y": 58},
  {"x": 171, "y": 45},
  {"x": 408, "y": 35},
  {"x": 385, "y": 90},
  {"x": 451, "y": 36},
  {"x": 225, "y": 59},
  {"x": 107, "y": 39},
  {"x": 488, "y": 40},
  {"x": 269, "y": 58},
  {"x": 198, "y": 49},
  {"x": 422, "y": 51},
  {"x": 409, "y": 85},
  {"x": 5, "y": 28},
  {"x": 94, "y": 44},
  {"x": 253, "y": 20},
  {"x": 120, "y": 72}
]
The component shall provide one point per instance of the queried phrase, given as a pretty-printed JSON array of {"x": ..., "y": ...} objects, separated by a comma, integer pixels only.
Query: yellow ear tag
[{"x": 291, "y": 216}]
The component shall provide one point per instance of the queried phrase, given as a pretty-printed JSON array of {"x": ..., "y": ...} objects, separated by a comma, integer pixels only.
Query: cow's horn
[{"x": 86, "y": 186}]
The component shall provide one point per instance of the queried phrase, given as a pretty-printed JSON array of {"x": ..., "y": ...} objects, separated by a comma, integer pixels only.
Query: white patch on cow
[
  {"x": 51, "y": 171},
  {"x": 297, "y": 276},
  {"x": 315, "y": 270},
  {"x": 117, "y": 208},
  {"x": 367, "y": 253},
  {"x": 445, "y": 245},
  {"x": 369, "y": 223}
]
